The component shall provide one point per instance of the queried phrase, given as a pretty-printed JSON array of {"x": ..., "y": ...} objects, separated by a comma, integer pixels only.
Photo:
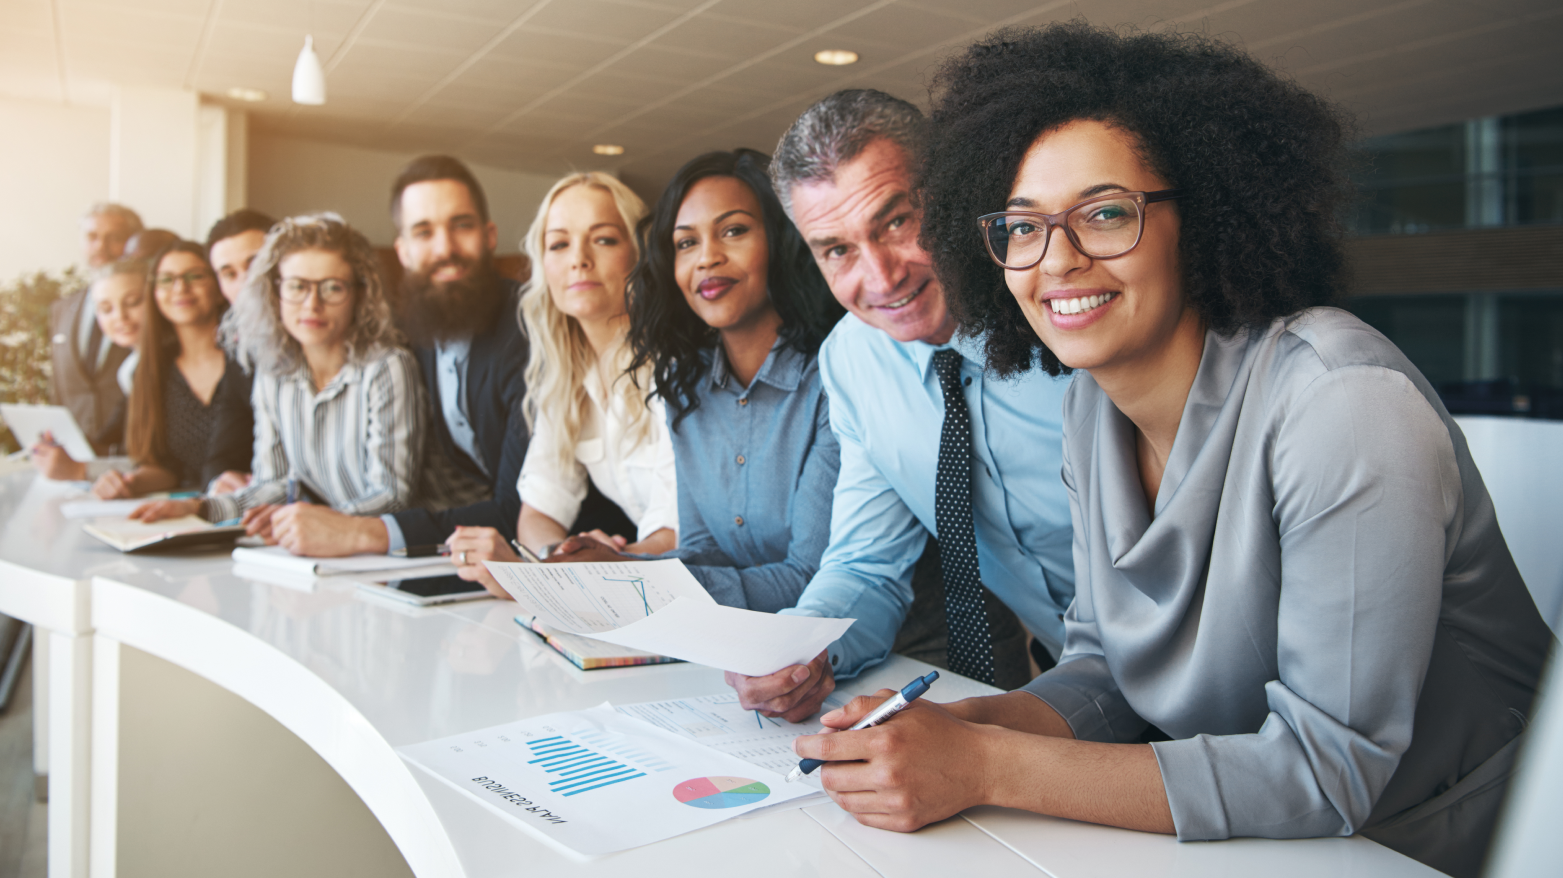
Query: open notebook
[{"x": 171, "y": 533}]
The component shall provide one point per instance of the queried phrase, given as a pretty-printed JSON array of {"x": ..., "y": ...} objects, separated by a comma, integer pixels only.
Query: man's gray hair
[
  {"x": 836, "y": 129},
  {"x": 131, "y": 219}
]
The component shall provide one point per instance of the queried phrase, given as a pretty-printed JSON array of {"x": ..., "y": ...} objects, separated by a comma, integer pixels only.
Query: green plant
[{"x": 25, "y": 365}]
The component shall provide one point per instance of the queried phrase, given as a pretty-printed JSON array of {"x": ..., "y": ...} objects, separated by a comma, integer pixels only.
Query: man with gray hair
[
  {"x": 929, "y": 445},
  {"x": 86, "y": 363}
]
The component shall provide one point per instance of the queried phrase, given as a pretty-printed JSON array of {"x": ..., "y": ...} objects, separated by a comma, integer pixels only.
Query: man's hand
[
  {"x": 793, "y": 693},
  {"x": 917, "y": 768},
  {"x": 257, "y": 522},
  {"x": 471, "y": 546},
  {"x": 321, "y": 532},
  {"x": 115, "y": 485},
  {"x": 229, "y": 481},
  {"x": 601, "y": 537},
  {"x": 157, "y": 510}
]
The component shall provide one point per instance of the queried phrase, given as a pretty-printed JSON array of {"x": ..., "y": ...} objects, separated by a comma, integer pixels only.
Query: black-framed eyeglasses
[
  {"x": 190, "y": 278},
  {"x": 331, "y": 290},
  {"x": 1101, "y": 228}
]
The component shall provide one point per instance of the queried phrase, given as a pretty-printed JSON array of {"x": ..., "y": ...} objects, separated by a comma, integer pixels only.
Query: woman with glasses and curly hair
[
  {"x": 1296, "y": 615},
  {"x": 727, "y": 310},
  {"x": 339, "y": 404}
]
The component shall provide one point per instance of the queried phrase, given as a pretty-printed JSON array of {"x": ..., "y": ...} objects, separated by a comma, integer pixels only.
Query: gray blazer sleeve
[{"x": 1366, "y": 489}]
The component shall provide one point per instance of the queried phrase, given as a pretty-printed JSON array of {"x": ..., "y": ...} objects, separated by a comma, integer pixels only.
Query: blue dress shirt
[
  {"x": 887, "y": 411},
  {"x": 756, "y": 467}
]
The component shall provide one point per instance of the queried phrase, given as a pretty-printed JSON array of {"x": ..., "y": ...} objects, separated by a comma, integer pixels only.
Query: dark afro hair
[{"x": 1260, "y": 160}]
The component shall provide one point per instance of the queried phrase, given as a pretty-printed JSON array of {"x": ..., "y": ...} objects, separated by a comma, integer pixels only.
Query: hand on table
[
  {"x": 794, "y": 693},
  {"x": 585, "y": 547},
  {"x": 257, "y": 522},
  {"x": 471, "y": 546},
  {"x": 115, "y": 485},
  {"x": 229, "y": 481},
  {"x": 917, "y": 768},
  {"x": 607, "y": 540},
  {"x": 157, "y": 510},
  {"x": 55, "y": 462},
  {"x": 321, "y": 532}
]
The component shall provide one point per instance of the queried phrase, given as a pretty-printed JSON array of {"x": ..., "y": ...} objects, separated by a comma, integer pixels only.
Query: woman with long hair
[
  {"x": 728, "y": 310},
  {"x": 339, "y": 404},
  {"x": 1295, "y": 614},
  {"x": 592, "y": 423},
  {"x": 182, "y": 386}
]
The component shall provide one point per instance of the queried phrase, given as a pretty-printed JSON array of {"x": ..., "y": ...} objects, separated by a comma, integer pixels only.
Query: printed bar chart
[{"x": 579, "y": 769}]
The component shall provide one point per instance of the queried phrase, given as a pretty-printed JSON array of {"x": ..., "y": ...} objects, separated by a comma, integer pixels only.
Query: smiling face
[
  {"x": 1098, "y": 314},
  {"x": 587, "y": 254},
  {"x": 862, "y": 229},
  {"x": 314, "y": 323},
  {"x": 103, "y": 238},
  {"x": 185, "y": 290},
  {"x": 232, "y": 257},
  {"x": 443, "y": 239},
  {"x": 119, "y": 302},
  {"x": 720, "y": 254}
]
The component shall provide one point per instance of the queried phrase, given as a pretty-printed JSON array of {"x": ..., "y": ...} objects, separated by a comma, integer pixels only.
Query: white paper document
[
  {"x": 720, "y": 722},
  {"x": 279, "y": 558},
  {"x": 28, "y": 423},
  {"x": 657, "y": 606},
  {"x": 593, "y": 781}
]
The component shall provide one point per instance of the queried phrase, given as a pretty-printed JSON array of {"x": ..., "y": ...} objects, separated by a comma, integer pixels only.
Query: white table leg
[
  {"x": 41, "y": 642},
  {"x": 104, "y": 856},
  {"x": 70, "y": 712}
]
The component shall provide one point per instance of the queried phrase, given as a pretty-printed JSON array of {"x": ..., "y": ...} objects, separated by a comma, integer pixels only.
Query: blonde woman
[
  {"x": 339, "y": 404},
  {"x": 590, "y": 419}
]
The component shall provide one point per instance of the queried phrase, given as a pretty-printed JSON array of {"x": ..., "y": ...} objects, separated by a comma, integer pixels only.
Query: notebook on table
[
  {"x": 589, "y": 654},
  {"x": 171, "y": 533}
]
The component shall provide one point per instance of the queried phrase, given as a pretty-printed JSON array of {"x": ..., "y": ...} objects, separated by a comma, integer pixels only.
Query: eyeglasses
[
  {"x": 330, "y": 291},
  {"x": 1101, "y": 228},
  {"x": 190, "y": 278}
]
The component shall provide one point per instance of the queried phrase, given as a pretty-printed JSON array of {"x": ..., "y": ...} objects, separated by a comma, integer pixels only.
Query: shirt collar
[
  {"x": 782, "y": 369},
  {"x": 970, "y": 349}
]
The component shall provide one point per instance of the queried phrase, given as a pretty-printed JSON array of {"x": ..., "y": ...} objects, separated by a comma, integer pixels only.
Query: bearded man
[{"x": 460, "y": 316}]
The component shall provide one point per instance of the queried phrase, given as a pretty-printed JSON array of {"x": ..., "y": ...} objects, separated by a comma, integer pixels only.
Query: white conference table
[{"x": 353, "y": 677}]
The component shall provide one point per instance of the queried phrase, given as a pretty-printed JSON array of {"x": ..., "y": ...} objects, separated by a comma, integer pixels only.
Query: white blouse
[{"x": 639, "y": 477}]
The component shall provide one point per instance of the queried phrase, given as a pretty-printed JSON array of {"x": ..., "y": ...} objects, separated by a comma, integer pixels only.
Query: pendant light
[{"x": 309, "y": 78}]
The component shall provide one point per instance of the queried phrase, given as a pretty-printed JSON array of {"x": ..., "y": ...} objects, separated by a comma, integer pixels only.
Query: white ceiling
[{"x": 533, "y": 84}]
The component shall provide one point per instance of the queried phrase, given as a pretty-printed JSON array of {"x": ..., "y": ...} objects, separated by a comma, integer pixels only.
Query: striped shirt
[{"x": 357, "y": 444}]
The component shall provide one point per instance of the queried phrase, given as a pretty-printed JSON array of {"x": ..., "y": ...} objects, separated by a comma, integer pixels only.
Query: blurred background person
[
  {"x": 85, "y": 364},
  {"x": 182, "y": 383},
  {"x": 339, "y": 405},
  {"x": 231, "y": 245}
]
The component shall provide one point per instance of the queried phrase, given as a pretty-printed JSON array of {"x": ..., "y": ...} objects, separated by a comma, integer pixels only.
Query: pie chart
[{"x": 720, "y": 792}]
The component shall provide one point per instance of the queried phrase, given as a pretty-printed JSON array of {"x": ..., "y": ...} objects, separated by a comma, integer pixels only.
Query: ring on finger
[{"x": 461, "y": 558}]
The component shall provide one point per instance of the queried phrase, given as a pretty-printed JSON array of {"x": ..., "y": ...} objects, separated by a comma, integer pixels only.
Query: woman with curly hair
[
  {"x": 339, "y": 404},
  {"x": 1296, "y": 615},
  {"x": 727, "y": 310}
]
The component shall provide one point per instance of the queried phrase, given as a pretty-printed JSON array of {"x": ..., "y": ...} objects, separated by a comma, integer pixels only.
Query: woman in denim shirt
[{"x": 728, "y": 309}]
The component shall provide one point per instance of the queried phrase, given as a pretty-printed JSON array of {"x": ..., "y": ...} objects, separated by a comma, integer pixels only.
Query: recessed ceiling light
[
  {"x": 249, "y": 95},
  {"x": 835, "y": 57},
  {"x": 608, "y": 149}
]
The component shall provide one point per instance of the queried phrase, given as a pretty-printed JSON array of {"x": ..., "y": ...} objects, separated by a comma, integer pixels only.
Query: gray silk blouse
[{"x": 1321, "y": 613}]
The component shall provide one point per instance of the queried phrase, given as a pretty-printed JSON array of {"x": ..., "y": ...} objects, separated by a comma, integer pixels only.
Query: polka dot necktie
[{"x": 971, "y": 643}]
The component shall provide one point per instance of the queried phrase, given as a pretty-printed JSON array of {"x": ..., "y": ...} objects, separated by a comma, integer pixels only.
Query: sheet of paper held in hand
[
  {"x": 593, "y": 781},
  {"x": 721, "y": 723},
  {"x": 657, "y": 606}
]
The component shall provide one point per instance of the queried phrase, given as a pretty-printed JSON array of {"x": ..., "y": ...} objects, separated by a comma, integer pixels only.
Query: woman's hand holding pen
[
  {"x": 471, "y": 546},
  {"x": 918, "y": 768}
]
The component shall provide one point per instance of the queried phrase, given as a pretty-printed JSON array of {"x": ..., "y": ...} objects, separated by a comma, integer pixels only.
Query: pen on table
[
  {"x": 425, "y": 551},
  {"x": 891, "y": 707},
  {"x": 525, "y": 553}
]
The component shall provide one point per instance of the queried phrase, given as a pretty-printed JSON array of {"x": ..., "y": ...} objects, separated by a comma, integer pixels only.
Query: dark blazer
[
  {"x": 495, "y": 387},
  {"x": 89, "y": 391}
]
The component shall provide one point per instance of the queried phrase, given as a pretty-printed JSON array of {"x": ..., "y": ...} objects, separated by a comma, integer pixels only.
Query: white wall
[
  {"x": 290, "y": 176},
  {"x": 54, "y": 162}
]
